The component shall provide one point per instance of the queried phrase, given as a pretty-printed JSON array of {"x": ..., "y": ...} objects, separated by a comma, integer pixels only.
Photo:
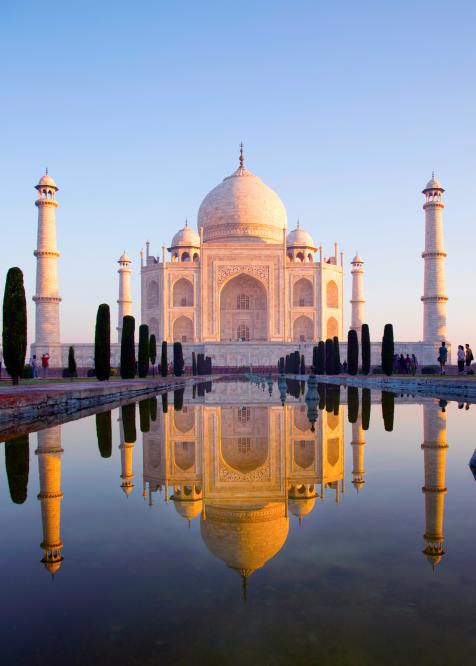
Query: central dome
[{"x": 242, "y": 206}]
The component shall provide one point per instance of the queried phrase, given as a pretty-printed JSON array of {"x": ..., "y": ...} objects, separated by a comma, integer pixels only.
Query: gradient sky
[{"x": 138, "y": 110}]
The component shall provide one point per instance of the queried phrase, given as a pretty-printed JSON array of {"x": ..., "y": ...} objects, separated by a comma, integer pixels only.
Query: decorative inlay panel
[{"x": 259, "y": 272}]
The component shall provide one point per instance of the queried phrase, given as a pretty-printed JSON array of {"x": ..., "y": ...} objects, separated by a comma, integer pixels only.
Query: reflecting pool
[{"x": 243, "y": 522}]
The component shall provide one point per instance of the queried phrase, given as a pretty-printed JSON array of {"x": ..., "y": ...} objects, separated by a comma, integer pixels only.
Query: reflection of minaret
[
  {"x": 127, "y": 474},
  {"x": 358, "y": 449},
  {"x": 434, "y": 450},
  {"x": 49, "y": 464}
]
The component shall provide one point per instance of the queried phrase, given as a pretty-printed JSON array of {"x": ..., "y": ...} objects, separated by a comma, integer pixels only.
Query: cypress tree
[
  {"x": 314, "y": 359},
  {"x": 144, "y": 415},
  {"x": 352, "y": 404},
  {"x": 178, "y": 399},
  {"x": 17, "y": 463},
  {"x": 208, "y": 370},
  {"x": 165, "y": 403},
  {"x": 194, "y": 364},
  {"x": 352, "y": 352},
  {"x": 14, "y": 324},
  {"x": 163, "y": 360},
  {"x": 102, "y": 343},
  {"x": 321, "y": 358},
  {"x": 366, "y": 407},
  {"x": 143, "y": 355},
  {"x": 329, "y": 357},
  {"x": 365, "y": 347},
  {"x": 302, "y": 369},
  {"x": 128, "y": 353},
  {"x": 153, "y": 408},
  {"x": 388, "y": 409},
  {"x": 71, "y": 363},
  {"x": 336, "y": 350},
  {"x": 329, "y": 398},
  {"x": 129, "y": 422},
  {"x": 296, "y": 362},
  {"x": 200, "y": 364},
  {"x": 286, "y": 364},
  {"x": 178, "y": 359},
  {"x": 388, "y": 350},
  {"x": 104, "y": 433},
  {"x": 153, "y": 352}
]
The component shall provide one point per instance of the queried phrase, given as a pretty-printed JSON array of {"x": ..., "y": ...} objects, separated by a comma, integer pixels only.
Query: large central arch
[{"x": 243, "y": 309}]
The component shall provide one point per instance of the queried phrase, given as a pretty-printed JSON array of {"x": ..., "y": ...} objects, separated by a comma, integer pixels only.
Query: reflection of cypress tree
[
  {"x": 322, "y": 396},
  {"x": 336, "y": 390},
  {"x": 153, "y": 408},
  {"x": 129, "y": 422},
  {"x": 303, "y": 387},
  {"x": 293, "y": 387},
  {"x": 329, "y": 398},
  {"x": 194, "y": 391},
  {"x": 104, "y": 434},
  {"x": 388, "y": 409},
  {"x": 17, "y": 462},
  {"x": 352, "y": 404},
  {"x": 208, "y": 387},
  {"x": 144, "y": 415},
  {"x": 329, "y": 357},
  {"x": 366, "y": 406},
  {"x": 165, "y": 403},
  {"x": 201, "y": 390},
  {"x": 178, "y": 399}
]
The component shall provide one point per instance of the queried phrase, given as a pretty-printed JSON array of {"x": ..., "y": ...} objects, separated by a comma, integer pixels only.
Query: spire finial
[
  {"x": 433, "y": 175},
  {"x": 46, "y": 171},
  {"x": 186, "y": 222},
  {"x": 242, "y": 157},
  {"x": 298, "y": 223}
]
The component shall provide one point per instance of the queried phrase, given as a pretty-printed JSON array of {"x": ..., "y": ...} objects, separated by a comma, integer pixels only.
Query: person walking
[
  {"x": 45, "y": 361},
  {"x": 460, "y": 358},
  {"x": 414, "y": 364},
  {"x": 442, "y": 357},
  {"x": 468, "y": 357}
]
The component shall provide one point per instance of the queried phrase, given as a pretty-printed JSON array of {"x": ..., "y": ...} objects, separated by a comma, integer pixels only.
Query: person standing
[
  {"x": 414, "y": 364},
  {"x": 443, "y": 357},
  {"x": 45, "y": 360},
  {"x": 468, "y": 357},
  {"x": 460, "y": 358},
  {"x": 34, "y": 366}
]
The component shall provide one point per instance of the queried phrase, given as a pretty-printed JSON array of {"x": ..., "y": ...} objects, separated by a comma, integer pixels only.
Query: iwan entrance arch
[{"x": 243, "y": 310}]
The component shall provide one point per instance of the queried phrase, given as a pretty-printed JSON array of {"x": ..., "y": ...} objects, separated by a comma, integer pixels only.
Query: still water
[{"x": 230, "y": 528}]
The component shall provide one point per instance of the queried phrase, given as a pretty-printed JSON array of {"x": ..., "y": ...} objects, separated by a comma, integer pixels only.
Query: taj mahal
[{"x": 242, "y": 289}]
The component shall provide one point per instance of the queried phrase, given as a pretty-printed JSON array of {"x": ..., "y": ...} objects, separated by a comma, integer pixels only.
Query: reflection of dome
[
  {"x": 245, "y": 537},
  {"x": 299, "y": 237},
  {"x": 188, "y": 510},
  {"x": 127, "y": 488},
  {"x": 186, "y": 237},
  {"x": 53, "y": 565},
  {"x": 242, "y": 206},
  {"x": 301, "y": 507}
]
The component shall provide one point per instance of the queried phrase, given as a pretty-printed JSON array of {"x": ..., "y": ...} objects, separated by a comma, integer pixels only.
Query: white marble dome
[
  {"x": 242, "y": 207},
  {"x": 186, "y": 237},
  {"x": 47, "y": 181},
  {"x": 300, "y": 238},
  {"x": 433, "y": 184}
]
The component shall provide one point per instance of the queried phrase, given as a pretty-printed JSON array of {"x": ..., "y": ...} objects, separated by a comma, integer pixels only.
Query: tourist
[
  {"x": 45, "y": 360},
  {"x": 408, "y": 364},
  {"x": 344, "y": 367},
  {"x": 442, "y": 357},
  {"x": 401, "y": 365},
  {"x": 468, "y": 357},
  {"x": 460, "y": 356},
  {"x": 414, "y": 364},
  {"x": 34, "y": 366}
]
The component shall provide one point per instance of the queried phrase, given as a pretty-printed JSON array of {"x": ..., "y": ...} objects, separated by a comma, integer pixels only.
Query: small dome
[
  {"x": 123, "y": 259},
  {"x": 357, "y": 260},
  {"x": 186, "y": 237},
  {"x": 46, "y": 181},
  {"x": 299, "y": 237},
  {"x": 433, "y": 184}
]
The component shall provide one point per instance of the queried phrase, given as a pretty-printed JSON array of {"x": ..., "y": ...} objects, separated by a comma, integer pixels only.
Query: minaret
[
  {"x": 47, "y": 297},
  {"x": 49, "y": 453},
  {"x": 127, "y": 469},
  {"x": 357, "y": 302},
  {"x": 358, "y": 449},
  {"x": 125, "y": 299},
  {"x": 434, "y": 297},
  {"x": 434, "y": 450}
]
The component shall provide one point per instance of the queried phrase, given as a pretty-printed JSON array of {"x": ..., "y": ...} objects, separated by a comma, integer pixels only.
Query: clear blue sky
[{"x": 138, "y": 110}]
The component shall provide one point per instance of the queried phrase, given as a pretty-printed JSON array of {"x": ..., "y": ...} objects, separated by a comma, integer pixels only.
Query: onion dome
[
  {"x": 242, "y": 207},
  {"x": 186, "y": 237},
  {"x": 357, "y": 259},
  {"x": 433, "y": 184},
  {"x": 299, "y": 237},
  {"x": 46, "y": 181},
  {"x": 245, "y": 537},
  {"x": 124, "y": 259}
]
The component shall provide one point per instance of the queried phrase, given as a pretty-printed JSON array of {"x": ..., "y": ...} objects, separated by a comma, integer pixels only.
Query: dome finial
[
  {"x": 298, "y": 223},
  {"x": 186, "y": 223},
  {"x": 46, "y": 171},
  {"x": 433, "y": 175},
  {"x": 242, "y": 157}
]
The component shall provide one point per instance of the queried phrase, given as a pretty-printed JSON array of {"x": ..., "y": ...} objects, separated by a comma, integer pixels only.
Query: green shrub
[{"x": 27, "y": 372}]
